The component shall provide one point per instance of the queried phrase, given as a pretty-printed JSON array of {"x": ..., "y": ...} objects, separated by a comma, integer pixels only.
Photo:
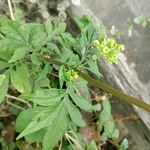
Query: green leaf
[
  {"x": 74, "y": 113},
  {"x": 124, "y": 144},
  {"x": 3, "y": 64},
  {"x": 25, "y": 117},
  {"x": 19, "y": 53},
  {"x": 105, "y": 115},
  {"x": 4, "y": 44},
  {"x": 81, "y": 101},
  {"x": 46, "y": 97},
  {"x": 93, "y": 68},
  {"x": 67, "y": 40},
  {"x": 39, "y": 40},
  {"x": 53, "y": 47},
  {"x": 5, "y": 55},
  {"x": 20, "y": 79},
  {"x": 37, "y": 136},
  {"x": 19, "y": 14},
  {"x": 4, "y": 85},
  {"x": 4, "y": 21},
  {"x": 107, "y": 106},
  {"x": 13, "y": 30},
  {"x": 16, "y": 81},
  {"x": 48, "y": 26},
  {"x": 56, "y": 130},
  {"x": 82, "y": 23},
  {"x": 69, "y": 57},
  {"x": 41, "y": 79},
  {"x": 62, "y": 76},
  {"x": 92, "y": 146},
  {"x": 2, "y": 77},
  {"x": 59, "y": 29},
  {"x": 97, "y": 107},
  {"x": 42, "y": 120},
  {"x": 115, "y": 134},
  {"x": 109, "y": 127}
]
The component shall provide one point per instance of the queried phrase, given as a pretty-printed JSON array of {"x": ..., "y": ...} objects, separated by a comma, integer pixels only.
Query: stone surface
[
  {"x": 123, "y": 76},
  {"x": 116, "y": 13}
]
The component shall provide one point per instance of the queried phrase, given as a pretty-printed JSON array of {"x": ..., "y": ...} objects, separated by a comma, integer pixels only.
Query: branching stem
[{"x": 99, "y": 84}]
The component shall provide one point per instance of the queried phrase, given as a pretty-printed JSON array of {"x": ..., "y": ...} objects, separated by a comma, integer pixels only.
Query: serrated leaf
[
  {"x": 4, "y": 86},
  {"x": 25, "y": 117},
  {"x": 13, "y": 30},
  {"x": 19, "y": 53},
  {"x": 53, "y": 47},
  {"x": 74, "y": 114},
  {"x": 67, "y": 40},
  {"x": 56, "y": 130},
  {"x": 46, "y": 97},
  {"x": 81, "y": 102},
  {"x": 69, "y": 57},
  {"x": 42, "y": 120},
  {"x": 93, "y": 68},
  {"x": 20, "y": 79}
]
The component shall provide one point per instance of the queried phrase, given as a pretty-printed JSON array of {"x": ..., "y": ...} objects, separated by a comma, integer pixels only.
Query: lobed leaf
[
  {"x": 56, "y": 130},
  {"x": 81, "y": 102},
  {"x": 46, "y": 97},
  {"x": 74, "y": 113}
]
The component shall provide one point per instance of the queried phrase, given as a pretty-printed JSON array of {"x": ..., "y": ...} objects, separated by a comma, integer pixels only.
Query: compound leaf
[{"x": 56, "y": 130}]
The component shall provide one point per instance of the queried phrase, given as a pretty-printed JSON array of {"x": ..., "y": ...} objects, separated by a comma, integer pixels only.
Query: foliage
[
  {"x": 56, "y": 102},
  {"x": 139, "y": 20}
]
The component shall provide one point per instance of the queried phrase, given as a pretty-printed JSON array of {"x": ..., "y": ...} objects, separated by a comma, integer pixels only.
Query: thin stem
[
  {"x": 14, "y": 105},
  {"x": 10, "y": 10},
  {"x": 99, "y": 84},
  {"x": 18, "y": 99},
  {"x": 78, "y": 146}
]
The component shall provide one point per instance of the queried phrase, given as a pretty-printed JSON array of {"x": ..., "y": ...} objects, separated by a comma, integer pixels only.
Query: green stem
[
  {"x": 18, "y": 99},
  {"x": 103, "y": 86}
]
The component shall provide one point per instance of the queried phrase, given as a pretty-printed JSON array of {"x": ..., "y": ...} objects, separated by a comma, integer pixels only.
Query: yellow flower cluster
[
  {"x": 72, "y": 75},
  {"x": 108, "y": 48}
]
